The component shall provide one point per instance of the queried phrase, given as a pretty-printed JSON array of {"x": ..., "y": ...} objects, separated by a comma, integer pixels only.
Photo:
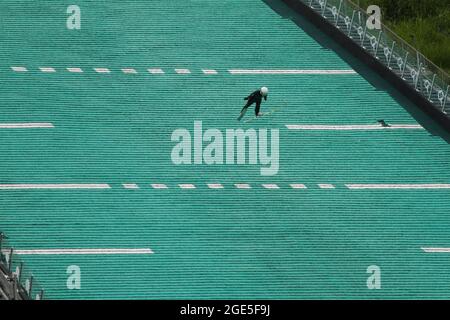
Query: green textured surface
[{"x": 115, "y": 128}]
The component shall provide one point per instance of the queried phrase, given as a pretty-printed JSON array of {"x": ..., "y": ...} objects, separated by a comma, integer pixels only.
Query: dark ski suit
[{"x": 255, "y": 97}]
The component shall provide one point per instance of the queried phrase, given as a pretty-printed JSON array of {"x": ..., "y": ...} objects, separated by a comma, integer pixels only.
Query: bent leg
[
  {"x": 244, "y": 109},
  {"x": 242, "y": 114},
  {"x": 248, "y": 104}
]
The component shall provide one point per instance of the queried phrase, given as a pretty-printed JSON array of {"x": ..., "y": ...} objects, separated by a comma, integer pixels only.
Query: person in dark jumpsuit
[{"x": 254, "y": 97}]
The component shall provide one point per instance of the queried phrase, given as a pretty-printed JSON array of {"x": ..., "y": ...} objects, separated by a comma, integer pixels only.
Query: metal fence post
[
  {"x": 364, "y": 36},
  {"x": 11, "y": 251},
  {"x": 324, "y": 7},
  {"x": 392, "y": 53},
  {"x": 15, "y": 286},
  {"x": 418, "y": 58},
  {"x": 20, "y": 271},
  {"x": 338, "y": 13},
  {"x": 41, "y": 295},
  {"x": 378, "y": 43},
  {"x": 418, "y": 76},
  {"x": 432, "y": 86},
  {"x": 404, "y": 65},
  {"x": 445, "y": 99},
  {"x": 351, "y": 24},
  {"x": 30, "y": 288}
]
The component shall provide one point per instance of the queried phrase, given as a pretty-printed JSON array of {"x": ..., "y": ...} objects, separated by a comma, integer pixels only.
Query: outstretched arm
[{"x": 258, "y": 106}]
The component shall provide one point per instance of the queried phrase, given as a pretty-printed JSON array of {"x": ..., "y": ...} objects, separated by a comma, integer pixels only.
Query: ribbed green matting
[{"x": 229, "y": 244}]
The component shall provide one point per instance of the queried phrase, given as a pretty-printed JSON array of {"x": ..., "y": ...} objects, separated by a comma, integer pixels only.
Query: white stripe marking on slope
[
  {"x": 156, "y": 71},
  {"x": 76, "y": 70},
  {"x": 242, "y": 186},
  {"x": 326, "y": 186},
  {"x": 47, "y": 69},
  {"x": 25, "y": 125},
  {"x": 209, "y": 71},
  {"x": 351, "y": 127},
  {"x": 215, "y": 186},
  {"x": 82, "y": 251},
  {"x": 19, "y": 69},
  {"x": 129, "y": 70},
  {"x": 102, "y": 70},
  {"x": 159, "y": 186},
  {"x": 187, "y": 186},
  {"x": 183, "y": 71},
  {"x": 290, "y": 71},
  {"x": 298, "y": 186},
  {"x": 53, "y": 186},
  {"x": 130, "y": 186},
  {"x": 270, "y": 186},
  {"x": 436, "y": 250},
  {"x": 398, "y": 186}
]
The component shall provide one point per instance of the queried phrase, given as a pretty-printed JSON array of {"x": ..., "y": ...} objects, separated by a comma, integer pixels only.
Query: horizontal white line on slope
[
  {"x": 25, "y": 125},
  {"x": 270, "y": 186},
  {"x": 398, "y": 186},
  {"x": 326, "y": 186},
  {"x": 53, "y": 186},
  {"x": 298, "y": 186},
  {"x": 47, "y": 69},
  {"x": 82, "y": 251},
  {"x": 436, "y": 250},
  {"x": 289, "y": 71},
  {"x": 351, "y": 127},
  {"x": 19, "y": 69},
  {"x": 102, "y": 70},
  {"x": 159, "y": 186},
  {"x": 76, "y": 70},
  {"x": 186, "y": 186},
  {"x": 242, "y": 186},
  {"x": 215, "y": 186},
  {"x": 209, "y": 71},
  {"x": 130, "y": 186},
  {"x": 183, "y": 71},
  {"x": 156, "y": 71},
  {"x": 129, "y": 70}
]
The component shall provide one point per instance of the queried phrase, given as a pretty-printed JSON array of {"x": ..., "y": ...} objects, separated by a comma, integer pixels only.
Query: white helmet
[{"x": 264, "y": 91}]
